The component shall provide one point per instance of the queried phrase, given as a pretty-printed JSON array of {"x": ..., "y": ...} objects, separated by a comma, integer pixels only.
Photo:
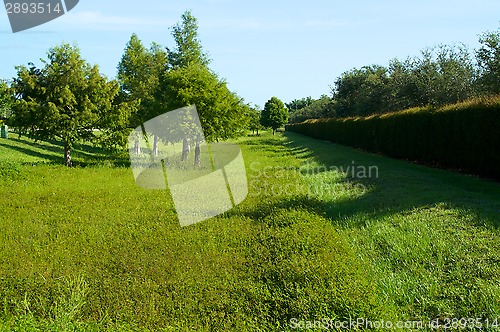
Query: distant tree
[
  {"x": 361, "y": 92},
  {"x": 6, "y": 100},
  {"x": 298, "y": 104},
  {"x": 254, "y": 119},
  {"x": 403, "y": 87},
  {"x": 274, "y": 115},
  {"x": 444, "y": 74},
  {"x": 138, "y": 74},
  {"x": 320, "y": 108},
  {"x": 69, "y": 99},
  {"x": 440, "y": 75},
  {"x": 488, "y": 58}
]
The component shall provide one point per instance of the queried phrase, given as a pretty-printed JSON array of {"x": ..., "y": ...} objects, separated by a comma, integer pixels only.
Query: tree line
[
  {"x": 70, "y": 100},
  {"x": 438, "y": 76}
]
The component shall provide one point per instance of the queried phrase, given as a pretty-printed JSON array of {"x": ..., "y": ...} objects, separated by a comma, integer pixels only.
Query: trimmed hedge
[{"x": 463, "y": 136}]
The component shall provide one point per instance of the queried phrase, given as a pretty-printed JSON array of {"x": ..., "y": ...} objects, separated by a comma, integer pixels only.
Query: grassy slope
[{"x": 86, "y": 248}]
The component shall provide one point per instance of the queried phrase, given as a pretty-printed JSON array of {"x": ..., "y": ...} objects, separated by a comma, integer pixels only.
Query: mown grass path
[{"x": 86, "y": 249}]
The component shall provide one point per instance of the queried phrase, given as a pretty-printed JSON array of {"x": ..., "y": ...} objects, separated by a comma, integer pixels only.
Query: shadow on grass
[
  {"x": 398, "y": 186},
  {"x": 51, "y": 152},
  {"x": 28, "y": 150}
]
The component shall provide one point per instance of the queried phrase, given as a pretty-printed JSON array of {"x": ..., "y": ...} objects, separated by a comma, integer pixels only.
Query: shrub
[{"x": 463, "y": 136}]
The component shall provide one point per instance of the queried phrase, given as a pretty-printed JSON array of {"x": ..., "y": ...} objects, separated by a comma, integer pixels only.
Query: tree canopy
[
  {"x": 438, "y": 76},
  {"x": 488, "y": 57},
  {"x": 274, "y": 115},
  {"x": 188, "y": 49},
  {"x": 139, "y": 72},
  {"x": 6, "y": 100},
  {"x": 188, "y": 80},
  {"x": 69, "y": 99}
]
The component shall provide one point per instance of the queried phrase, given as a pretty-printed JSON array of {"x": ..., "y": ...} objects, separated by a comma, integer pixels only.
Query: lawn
[{"x": 326, "y": 233}]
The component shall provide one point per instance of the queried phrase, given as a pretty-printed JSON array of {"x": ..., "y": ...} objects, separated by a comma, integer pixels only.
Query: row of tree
[
  {"x": 438, "y": 76},
  {"x": 70, "y": 100}
]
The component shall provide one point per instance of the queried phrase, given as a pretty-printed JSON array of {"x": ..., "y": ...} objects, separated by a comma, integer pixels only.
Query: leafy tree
[
  {"x": 320, "y": 108},
  {"x": 444, "y": 74},
  {"x": 69, "y": 99},
  {"x": 361, "y": 92},
  {"x": 6, "y": 100},
  {"x": 298, "y": 104},
  {"x": 274, "y": 115},
  {"x": 254, "y": 120},
  {"x": 488, "y": 57},
  {"x": 441, "y": 75},
  {"x": 403, "y": 88},
  {"x": 188, "y": 50},
  {"x": 139, "y": 73},
  {"x": 188, "y": 80},
  {"x": 221, "y": 111}
]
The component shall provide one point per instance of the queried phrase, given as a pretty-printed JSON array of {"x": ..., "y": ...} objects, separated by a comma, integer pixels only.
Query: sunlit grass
[{"x": 87, "y": 249}]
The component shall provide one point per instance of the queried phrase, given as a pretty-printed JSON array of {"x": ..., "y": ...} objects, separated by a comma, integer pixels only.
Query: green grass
[{"x": 86, "y": 249}]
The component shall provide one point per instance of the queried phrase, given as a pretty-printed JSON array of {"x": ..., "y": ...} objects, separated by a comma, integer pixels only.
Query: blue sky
[{"x": 289, "y": 49}]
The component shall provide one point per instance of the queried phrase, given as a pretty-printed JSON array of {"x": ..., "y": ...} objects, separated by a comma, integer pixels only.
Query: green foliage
[
  {"x": 298, "y": 104},
  {"x": 444, "y": 75},
  {"x": 70, "y": 100},
  {"x": 324, "y": 107},
  {"x": 274, "y": 115},
  {"x": 440, "y": 76},
  {"x": 188, "y": 50},
  {"x": 463, "y": 136},
  {"x": 222, "y": 114},
  {"x": 138, "y": 74},
  {"x": 189, "y": 81},
  {"x": 361, "y": 92},
  {"x": 6, "y": 101},
  {"x": 254, "y": 115},
  {"x": 488, "y": 57}
]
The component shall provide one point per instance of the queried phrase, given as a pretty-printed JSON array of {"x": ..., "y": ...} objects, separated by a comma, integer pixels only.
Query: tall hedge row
[{"x": 464, "y": 136}]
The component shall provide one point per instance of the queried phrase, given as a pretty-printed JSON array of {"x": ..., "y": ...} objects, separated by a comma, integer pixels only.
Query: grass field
[{"x": 327, "y": 232}]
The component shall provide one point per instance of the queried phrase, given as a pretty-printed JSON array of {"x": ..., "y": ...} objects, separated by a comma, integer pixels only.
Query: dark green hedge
[{"x": 464, "y": 136}]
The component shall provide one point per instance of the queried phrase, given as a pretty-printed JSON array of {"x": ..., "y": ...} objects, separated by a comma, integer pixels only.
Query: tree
[
  {"x": 70, "y": 100},
  {"x": 139, "y": 73},
  {"x": 488, "y": 58},
  {"x": 221, "y": 111},
  {"x": 254, "y": 119},
  {"x": 188, "y": 80},
  {"x": 317, "y": 109},
  {"x": 188, "y": 50},
  {"x": 361, "y": 92},
  {"x": 403, "y": 88},
  {"x": 274, "y": 115},
  {"x": 298, "y": 104},
  {"x": 6, "y": 100},
  {"x": 443, "y": 75}
]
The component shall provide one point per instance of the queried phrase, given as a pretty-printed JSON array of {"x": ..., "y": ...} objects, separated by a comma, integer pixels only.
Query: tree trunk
[
  {"x": 137, "y": 147},
  {"x": 185, "y": 149},
  {"x": 274, "y": 131},
  {"x": 257, "y": 131},
  {"x": 197, "y": 153},
  {"x": 67, "y": 155},
  {"x": 155, "y": 146}
]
